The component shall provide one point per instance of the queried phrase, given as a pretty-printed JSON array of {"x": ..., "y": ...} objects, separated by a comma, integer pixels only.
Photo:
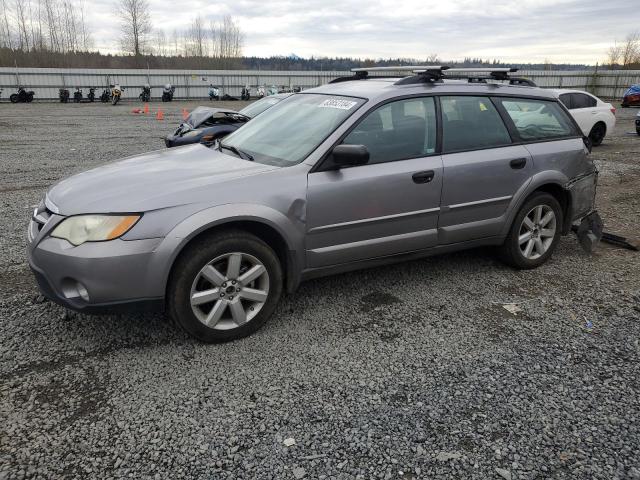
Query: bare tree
[
  {"x": 433, "y": 59},
  {"x": 21, "y": 15},
  {"x": 630, "y": 50},
  {"x": 6, "y": 33},
  {"x": 136, "y": 25},
  {"x": 161, "y": 43},
  {"x": 198, "y": 37},
  {"x": 613, "y": 55},
  {"x": 229, "y": 39}
]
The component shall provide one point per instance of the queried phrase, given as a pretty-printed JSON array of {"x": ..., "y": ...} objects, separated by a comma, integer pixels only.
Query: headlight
[
  {"x": 94, "y": 228},
  {"x": 192, "y": 133}
]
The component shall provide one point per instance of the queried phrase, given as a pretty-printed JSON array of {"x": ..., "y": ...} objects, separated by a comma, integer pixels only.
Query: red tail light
[{"x": 613, "y": 110}]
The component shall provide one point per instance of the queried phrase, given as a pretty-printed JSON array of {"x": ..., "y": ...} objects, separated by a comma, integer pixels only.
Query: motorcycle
[
  {"x": 92, "y": 94},
  {"x": 105, "y": 96},
  {"x": 63, "y": 94},
  {"x": 214, "y": 93},
  {"x": 116, "y": 93},
  {"x": 246, "y": 93},
  {"x": 167, "y": 92},
  {"x": 23, "y": 96},
  {"x": 145, "y": 96},
  {"x": 77, "y": 95}
]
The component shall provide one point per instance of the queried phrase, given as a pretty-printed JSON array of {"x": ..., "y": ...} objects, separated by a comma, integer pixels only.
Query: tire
[
  {"x": 514, "y": 253},
  {"x": 115, "y": 100},
  {"x": 187, "y": 280},
  {"x": 29, "y": 98},
  {"x": 13, "y": 98},
  {"x": 597, "y": 134},
  {"x": 638, "y": 131}
]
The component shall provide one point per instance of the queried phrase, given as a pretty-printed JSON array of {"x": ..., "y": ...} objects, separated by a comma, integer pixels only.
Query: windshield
[
  {"x": 256, "y": 108},
  {"x": 287, "y": 133}
]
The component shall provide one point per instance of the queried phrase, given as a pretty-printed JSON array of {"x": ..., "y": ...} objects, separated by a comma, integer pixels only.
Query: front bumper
[{"x": 96, "y": 277}]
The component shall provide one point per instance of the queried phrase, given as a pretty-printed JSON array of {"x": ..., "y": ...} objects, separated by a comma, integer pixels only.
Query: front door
[{"x": 387, "y": 206}]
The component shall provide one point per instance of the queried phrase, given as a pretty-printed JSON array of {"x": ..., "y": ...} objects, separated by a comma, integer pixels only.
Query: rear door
[
  {"x": 387, "y": 206},
  {"x": 483, "y": 169}
]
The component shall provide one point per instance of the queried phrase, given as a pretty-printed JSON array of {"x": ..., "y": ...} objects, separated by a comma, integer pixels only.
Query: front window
[
  {"x": 398, "y": 130},
  {"x": 287, "y": 133}
]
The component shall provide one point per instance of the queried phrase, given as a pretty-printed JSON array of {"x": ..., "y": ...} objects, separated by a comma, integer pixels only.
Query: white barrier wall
[{"x": 195, "y": 83}]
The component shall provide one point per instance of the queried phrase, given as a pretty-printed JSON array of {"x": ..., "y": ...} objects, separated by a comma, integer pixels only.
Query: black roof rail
[
  {"x": 424, "y": 71},
  {"x": 436, "y": 73},
  {"x": 494, "y": 73}
]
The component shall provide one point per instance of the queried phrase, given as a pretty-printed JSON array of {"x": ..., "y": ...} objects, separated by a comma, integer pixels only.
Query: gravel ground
[{"x": 408, "y": 371}]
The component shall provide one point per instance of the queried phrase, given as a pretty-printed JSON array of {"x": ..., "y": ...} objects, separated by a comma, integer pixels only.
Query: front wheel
[
  {"x": 115, "y": 100},
  {"x": 535, "y": 232},
  {"x": 225, "y": 286},
  {"x": 597, "y": 134},
  {"x": 13, "y": 98}
]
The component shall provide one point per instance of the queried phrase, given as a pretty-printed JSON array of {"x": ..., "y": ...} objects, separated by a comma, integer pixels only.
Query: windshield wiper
[{"x": 237, "y": 151}]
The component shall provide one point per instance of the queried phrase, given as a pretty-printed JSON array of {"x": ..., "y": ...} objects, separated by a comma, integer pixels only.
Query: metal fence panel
[{"x": 45, "y": 82}]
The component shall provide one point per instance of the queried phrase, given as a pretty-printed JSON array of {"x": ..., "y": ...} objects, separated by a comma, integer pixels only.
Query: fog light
[
  {"x": 72, "y": 288},
  {"x": 82, "y": 291}
]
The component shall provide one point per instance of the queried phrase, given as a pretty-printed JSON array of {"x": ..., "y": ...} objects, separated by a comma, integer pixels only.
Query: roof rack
[
  {"x": 501, "y": 74},
  {"x": 430, "y": 72},
  {"x": 436, "y": 73}
]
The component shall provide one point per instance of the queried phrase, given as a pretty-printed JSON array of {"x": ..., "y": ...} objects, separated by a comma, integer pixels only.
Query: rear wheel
[
  {"x": 225, "y": 286},
  {"x": 597, "y": 133},
  {"x": 535, "y": 232}
]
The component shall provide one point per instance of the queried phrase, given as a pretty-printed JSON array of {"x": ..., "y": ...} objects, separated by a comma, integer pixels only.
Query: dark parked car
[
  {"x": 206, "y": 124},
  {"x": 631, "y": 97}
]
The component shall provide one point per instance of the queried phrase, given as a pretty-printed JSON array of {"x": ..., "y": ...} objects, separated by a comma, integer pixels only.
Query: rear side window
[
  {"x": 470, "y": 123},
  {"x": 581, "y": 100},
  {"x": 538, "y": 119},
  {"x": 566, "y": 99},
  {"x": 398, "y": 130}
]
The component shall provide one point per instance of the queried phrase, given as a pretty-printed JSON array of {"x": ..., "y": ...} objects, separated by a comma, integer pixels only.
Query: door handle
[
  {"x": 423, "y": 177},
  {"x": 518, "y": 163}
]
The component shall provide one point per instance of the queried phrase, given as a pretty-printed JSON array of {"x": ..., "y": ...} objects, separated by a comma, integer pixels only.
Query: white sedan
[{"x": 595, "y": 117}]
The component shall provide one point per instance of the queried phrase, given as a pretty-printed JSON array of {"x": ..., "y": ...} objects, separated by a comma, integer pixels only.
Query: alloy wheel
[
  {"x": 229, "y": 291},
  {"x": 537, "y": 231}
]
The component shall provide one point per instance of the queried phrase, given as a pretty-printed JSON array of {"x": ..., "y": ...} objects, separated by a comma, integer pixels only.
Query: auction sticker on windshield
[{"x": 337, "y": 103}]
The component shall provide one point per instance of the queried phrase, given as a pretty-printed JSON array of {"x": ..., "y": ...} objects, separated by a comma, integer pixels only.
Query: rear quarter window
[
  {"x": 581, "y": 100},
  {"x": 538, "y": 119}
]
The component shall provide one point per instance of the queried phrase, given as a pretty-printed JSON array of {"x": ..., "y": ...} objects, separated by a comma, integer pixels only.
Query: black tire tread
[
  {"x": 211, "y": 245},
  {"x": 509, "y": 251}
]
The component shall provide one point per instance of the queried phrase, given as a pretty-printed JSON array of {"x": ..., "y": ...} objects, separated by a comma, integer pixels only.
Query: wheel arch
[
  {"x": 552, "y": 183},
  {"x": 266, "y": 224}
]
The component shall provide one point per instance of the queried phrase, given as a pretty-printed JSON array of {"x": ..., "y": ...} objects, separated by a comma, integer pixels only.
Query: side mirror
[
  {"x": 587, "y": 143},
  {"x": 350, "y": 155}
]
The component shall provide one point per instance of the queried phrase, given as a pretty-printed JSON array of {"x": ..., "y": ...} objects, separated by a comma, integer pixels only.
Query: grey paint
[{"x": 330, "y": 221}]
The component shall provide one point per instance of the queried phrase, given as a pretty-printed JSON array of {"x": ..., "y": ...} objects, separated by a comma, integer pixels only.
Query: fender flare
[
  {"x": 538, "y": 180},
  {"x": 179, "y": 237}
]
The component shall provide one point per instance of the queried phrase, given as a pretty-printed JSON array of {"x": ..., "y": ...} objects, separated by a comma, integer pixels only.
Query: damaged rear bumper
[{"x": 582, "y": 193}]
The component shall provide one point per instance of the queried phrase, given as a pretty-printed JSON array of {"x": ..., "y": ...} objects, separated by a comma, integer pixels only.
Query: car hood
[
  {"x": 200, "y": 115},
  {"x": 155, "y": 180}
]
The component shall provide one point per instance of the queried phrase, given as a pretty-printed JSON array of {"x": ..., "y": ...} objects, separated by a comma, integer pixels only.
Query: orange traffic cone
[
  {"x": 146, "y": 108},
  {"x": 185, "y": 114},
  {"x": 160, "y": 114}
]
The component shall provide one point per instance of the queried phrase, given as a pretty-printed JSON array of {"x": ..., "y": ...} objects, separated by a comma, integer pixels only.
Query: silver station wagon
[{"x": 366, "y": 170}]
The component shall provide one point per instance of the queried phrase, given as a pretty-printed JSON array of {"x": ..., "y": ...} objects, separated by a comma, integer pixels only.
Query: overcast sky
[{"x": 562, "y": 31}]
